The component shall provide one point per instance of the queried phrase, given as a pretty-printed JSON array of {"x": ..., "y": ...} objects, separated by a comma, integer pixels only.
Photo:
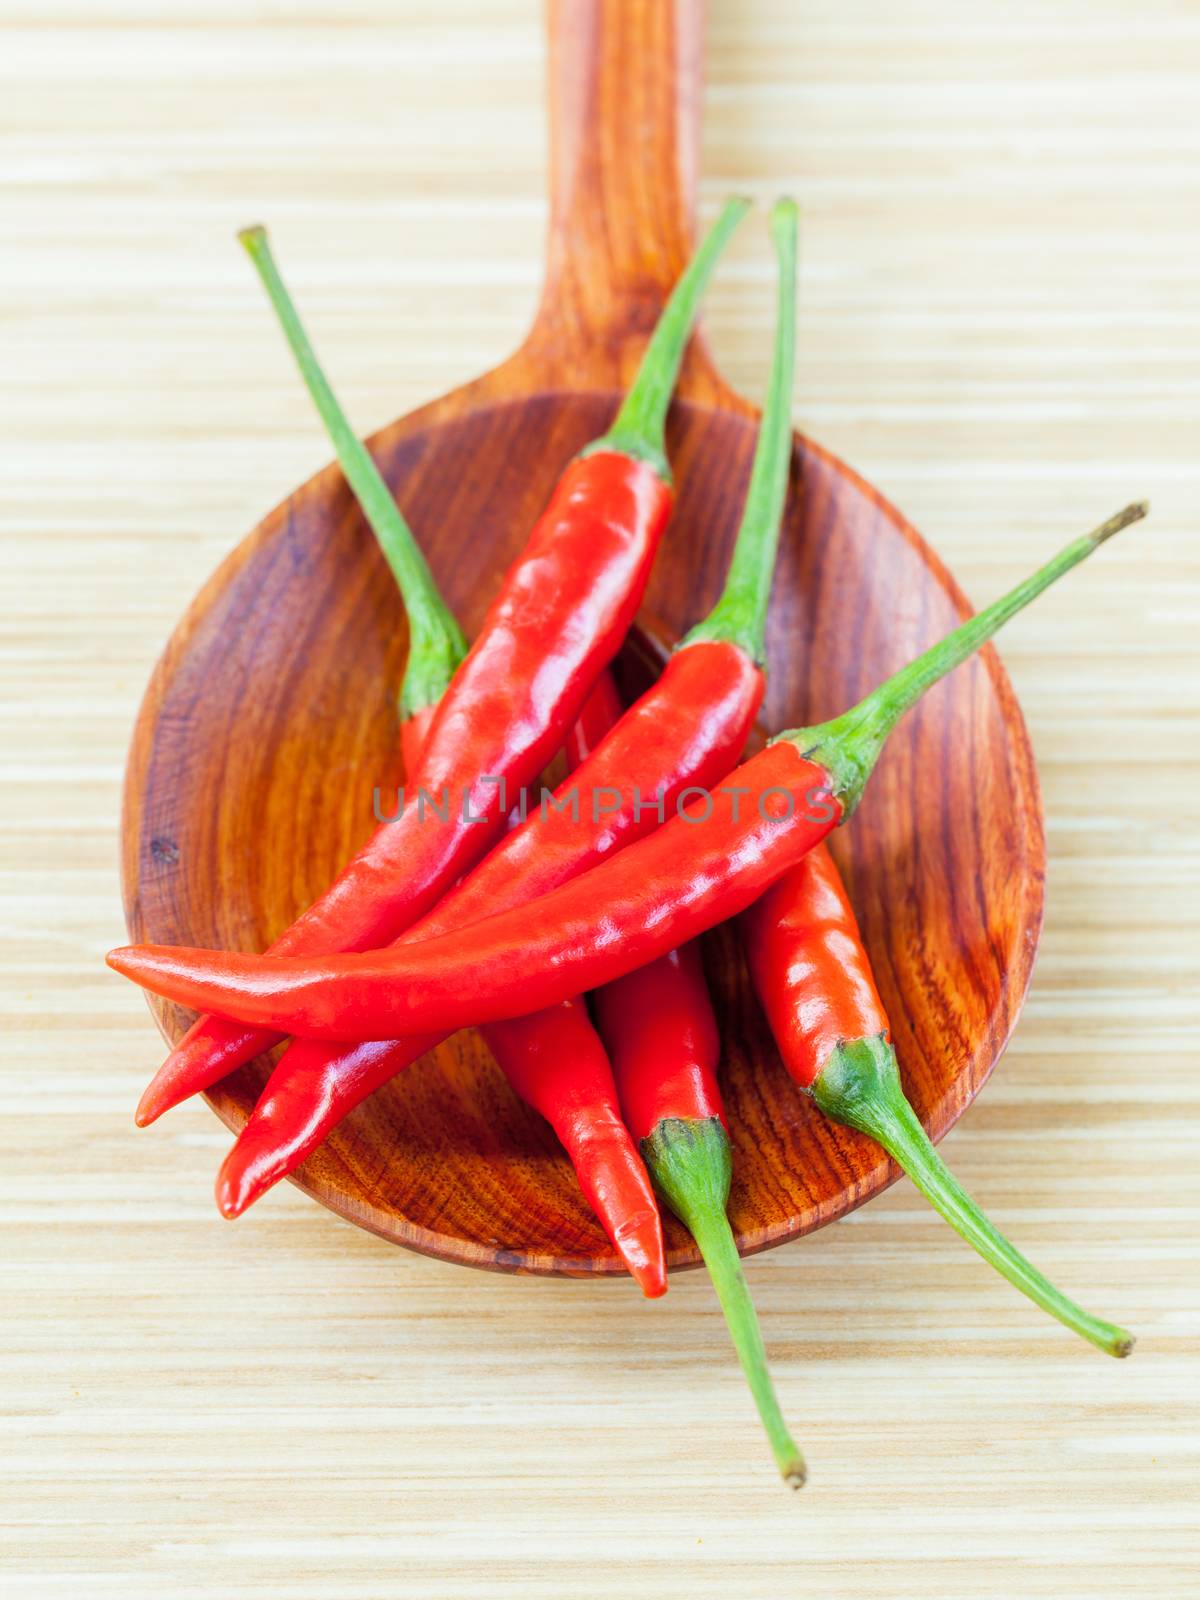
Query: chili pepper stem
[
  {"x": 690, "y": 1163},
  {"x": 436, "y": 643},
  {"x": 860, "y": 1086},
  {"x": 640, "y": 424},
  {"x": 740, "y": 615},
  {"x": 848, "y": 746}
]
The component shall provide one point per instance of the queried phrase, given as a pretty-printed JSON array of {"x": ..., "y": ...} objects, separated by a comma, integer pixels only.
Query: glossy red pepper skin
[
  {"x": 662, "y": 1038},
  {"x": 561, "y": 614},
  {"x": 682, "y": 880},
  {"x": 810, "y": 967},
  {"x": 687, "y": 729}
]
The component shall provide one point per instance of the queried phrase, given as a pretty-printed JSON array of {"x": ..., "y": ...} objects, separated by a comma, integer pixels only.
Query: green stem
[
  {"x": 690, "y": 1163},
  {"x": 740, "y": 615},
  {"x": 639, "y": 428},
  {"x": 436, "y": 644},
  {"x": 849, "y": 745},
  {"x": 860, "y": 1086}
]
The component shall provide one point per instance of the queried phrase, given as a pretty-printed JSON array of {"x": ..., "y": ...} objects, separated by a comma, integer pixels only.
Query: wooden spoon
[{"x": 270, "y": 718}]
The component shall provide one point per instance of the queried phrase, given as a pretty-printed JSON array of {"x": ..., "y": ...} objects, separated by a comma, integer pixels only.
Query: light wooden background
[{"x": 1001, "y": 327}]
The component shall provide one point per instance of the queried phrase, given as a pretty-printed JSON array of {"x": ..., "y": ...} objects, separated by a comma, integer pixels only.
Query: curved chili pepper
[
  {"x": 813, "y": 977},
  {"x": 560, "y": 616},
  {"x": 658, "y": 1022},
  {"x": 662, "y": 1038},
  {"x": 685, "y": 732},
  {"x": 556, "y": 1062},
  {"x": 707, "y": 864}
]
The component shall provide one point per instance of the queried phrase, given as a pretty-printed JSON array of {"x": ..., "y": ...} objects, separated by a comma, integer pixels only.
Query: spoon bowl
[{"x": 270, "y": 720}]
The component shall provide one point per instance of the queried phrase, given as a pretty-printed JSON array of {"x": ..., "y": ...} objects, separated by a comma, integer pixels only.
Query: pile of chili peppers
[{"x": 596, "y": 1007}]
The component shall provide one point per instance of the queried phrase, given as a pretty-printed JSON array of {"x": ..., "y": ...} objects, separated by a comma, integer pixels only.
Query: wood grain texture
[{"x": 1000, "y": 324}]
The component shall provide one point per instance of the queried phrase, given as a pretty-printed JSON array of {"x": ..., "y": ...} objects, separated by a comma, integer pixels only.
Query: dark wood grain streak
[{"x": 270, "y": 718}]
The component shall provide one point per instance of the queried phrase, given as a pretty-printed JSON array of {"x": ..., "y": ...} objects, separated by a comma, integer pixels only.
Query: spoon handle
[{"x": 624, "y": 133}]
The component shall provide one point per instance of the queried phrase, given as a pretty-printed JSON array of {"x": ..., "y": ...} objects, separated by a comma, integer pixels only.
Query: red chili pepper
[
  {"x": 556, "y": 1062},
  {"x": 560, "y": 617},
  {"x": 659, "y": 1023},
  {"x": 685, "y": 732},
  {"x": 708, "y": 864},
  {"x": 813, "y": 977},
  {"x": 661, "y": 1034}
]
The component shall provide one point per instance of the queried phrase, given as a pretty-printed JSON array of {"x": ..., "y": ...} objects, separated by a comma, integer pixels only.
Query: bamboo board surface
[{"x": 1000, "y": 326}]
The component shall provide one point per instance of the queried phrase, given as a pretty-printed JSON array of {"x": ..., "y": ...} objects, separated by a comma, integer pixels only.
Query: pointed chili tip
[
  {"x": 137, "y": 961},
  {"x": 639, "y": 1241},
  {"x": 232, "y": 1195},
  {"x": 148, "y": 1109},
  {"x": 1132, "y": 513},
  {"x": 651, "y": 1281},
  {"x": 130, "y": 961},
  {"x": 785, "y": 210},
  {"x": 241, "y": 1182}
]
